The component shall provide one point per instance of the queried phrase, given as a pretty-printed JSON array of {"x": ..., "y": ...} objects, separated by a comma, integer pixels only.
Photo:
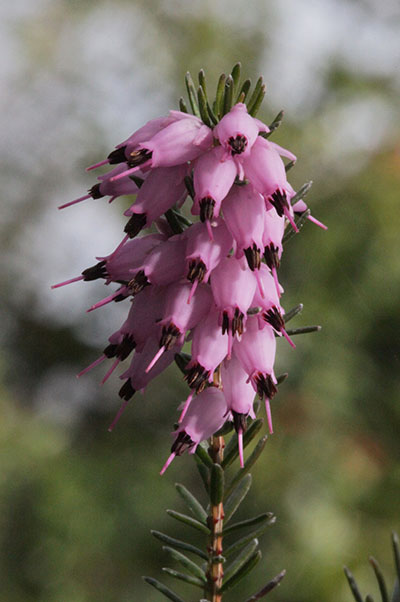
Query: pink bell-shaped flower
[
  {"x": 237, "y": 131},
  {"x": 205, "y": 416},
  {"x": 212, "y": 179},
  {"x": 244, "y": 210}
]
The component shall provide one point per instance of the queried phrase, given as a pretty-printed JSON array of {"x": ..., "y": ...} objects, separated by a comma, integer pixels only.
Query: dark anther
[
  {"x": 253, "y": 256},
  {"x": 127, "y": 391},
  {"x": 139, "y": 157},
  {"x": 138, "y": 283},
  {"x": 240, "y": 421},
  {"x": 96, "y": 271},
  {"x": 271, "y": 256},
  {"x": 265, "y": 386},
  {"x": 197, "y": 270},
  {"x": 238, "y": 144},
  {"x": 181, "y": 443},
  {"x": 135, "y": 224},
  {"x": 127, "y": 345},
  {"x": 197, "y": 377},
  {"x": 117, "y": 155},
  {"x": 274, "y": 317},
  {"x": 207, "y": 208},
  {"x": 169, "y": 336},
  {"x": 94, "y": 192},
  {"x": 225, "y": 322},
  {"x": 237, "y": 322},
  {"x": 120, "y": 297},
  {"x": 279, "y": 201},
  {"x": 110, "y": 351}
]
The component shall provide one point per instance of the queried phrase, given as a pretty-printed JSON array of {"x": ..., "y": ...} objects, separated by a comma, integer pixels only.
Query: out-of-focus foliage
[{"x": 76, "y": 502}]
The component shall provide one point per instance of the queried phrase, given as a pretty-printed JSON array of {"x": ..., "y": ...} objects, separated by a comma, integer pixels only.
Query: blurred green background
[{"x": 77, "y": 503}]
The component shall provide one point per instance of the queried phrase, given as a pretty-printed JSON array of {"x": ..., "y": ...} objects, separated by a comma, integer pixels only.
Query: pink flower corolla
[
  {"x": 203, "y": 254},
  {"x": 205, "y": 416},
  {"x": 179, "y": 142},
  {"x": 266, "y": 171},
  {"x": 300, "y": 207},
  {"x": 164, "y": 265},
  {"x": 274, "y": 227},
  {"x": 180, "y": 316},
  {"x": 237, "y": 131},
  {"x": 108, "y": 187},
  {"x": 233, "y": 287},
  {"x": 163, "y": 187},
  {"x": 209, "y": 348},
  {"x": 256, "y": 353},
  {"x": 244, "y": 210},
  {"x": 239, "y": 395},
  {"x": 212, "y": 179}
]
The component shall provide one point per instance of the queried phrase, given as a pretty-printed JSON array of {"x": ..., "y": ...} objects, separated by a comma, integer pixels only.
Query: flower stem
[{"x": 215, "y": 571}]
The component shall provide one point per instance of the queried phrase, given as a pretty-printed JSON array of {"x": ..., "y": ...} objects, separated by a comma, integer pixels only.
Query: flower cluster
[{"x": 213, "y": 282}]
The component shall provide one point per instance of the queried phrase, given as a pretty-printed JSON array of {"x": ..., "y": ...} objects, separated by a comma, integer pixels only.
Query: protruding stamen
[
  {"x": 167, "y": 463},
  {"x": 192, "y": 291},
  {"x": 110, "y": 371},
  {"x": 240, "y": 445},
  {"x": 209, "y": 230},
  {"x": 92, "y": 365},
  {"x": 108, "y": 299},
  {"x": 67, "y": 282},
  {"x": 79, "y": 200},
  {"x": 275, "y": 277},
  {"x": 287, "y": 337},
  {"x": 230, "y": 343},
  {"x": 125, "y": 173},
  {"x": 269, "y": 415},
  {"x": 155, "y": 359},
  {"x": 291, "y": 220},
  {"x": 99, "y": 164},
  {"x": 117, "y": 416},
  {"x": 317, "y": 222},
  {"x": 186, "y": 406}
]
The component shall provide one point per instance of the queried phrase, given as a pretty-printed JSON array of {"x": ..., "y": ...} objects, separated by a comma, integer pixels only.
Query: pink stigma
[
  {"x": 92, "y": 365},
  {"x": 192, "y": 291},
  {"x": 125, "y": 173},
  {"x": 107, "y": 299},
  {"x": 240, "y": 445},
  {"x": 67, "y": 282},
  {"x": 209, "y": 229},
  {"x": 269, "y": 416},
  {"x": 275, "y": 276},
  {"x": 96, "y": 165},
  {"x": 259, "y": 283},
  {"x": 287, "y": 337},
  {"x": 117, "y": 416},
  {"x": 167, "y": 463},
  {"x": 230, "y": 343},
  {"x": 317, "y": 222},
  {"x": 81, "y": 198},
  {"x": 155, "y": 359},
  {"x": 110, "y": 371},
  {"x": 186, "y": 406},
  {"x": 291, "y": 221}
]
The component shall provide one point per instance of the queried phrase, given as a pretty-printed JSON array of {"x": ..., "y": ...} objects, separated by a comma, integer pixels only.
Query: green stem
[{"x": 215, "y": 571}]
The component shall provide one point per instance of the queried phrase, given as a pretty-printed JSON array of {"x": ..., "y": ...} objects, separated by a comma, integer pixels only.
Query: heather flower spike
[
  {"x": 214, "y": 283},
  {"x": 211, "y": 285}
]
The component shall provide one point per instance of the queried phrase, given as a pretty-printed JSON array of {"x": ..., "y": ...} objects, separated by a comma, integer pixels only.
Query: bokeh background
[{"x": 76, "y": 503}]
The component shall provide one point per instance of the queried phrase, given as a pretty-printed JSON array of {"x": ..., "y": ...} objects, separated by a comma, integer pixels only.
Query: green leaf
[
  {"x": 300, "y": 221},
  {"x": 250, "y": 522},
  {"x": 254, "y": 97},
  {"x": 173, "y": 221},
  {"x": 202, "y": 82},
  {"x": 211, "y": 114},
  {"x": 217, "y": 483},
  {"x": 302, "y": 192},
  {"x": 204, "y": 474},
  {"x": 188, "y": 520},
  {"x": 201, "y": 97},
  {"x": 235, "y": 73},
  {"x": 204, "y": 456},
  {"x": 183, "y": 577},
  {"x": 192, "y": 503},
  {"x": 254, "y": 109},
  {"x": 138, "y": 181},
  {"x": 244, "y": 90},
  {"x": 289, "y": 165},
  {"x": 380, "y": 578},
  {"x": 293, "y": 312},
  {"x": 396, "y": 553},
  {"x": 248, "y": 464},
  {"x": 228, "y": 95},
  {"x": 168, "y": 593},
  {"x": 353, "y": 585},
  {"x": 182, "y": 105},
  {"x": 231, "y": 450},
  {"x": 219, "y": 97},
  {"x": 188, "y": 180},
  {"x": 281, "y": 378},
  {"x": 267, "y": 588},
  {"x": 177, "y": 543},
  {"x": 188, "y": 564},
  {"x": 396, "y": 592},
  {"x": 191, "y": 90},
  {"x": 303, "y": 330},
  {"x": 242, "y": 572},
  {"x": 276, "y": 122},
  {"x": 225, "y": 429},
  {"x": 243, "y": 557},
  {"x": 236, "y": 498},
  {"x": 369, "y": 598},
  {"x": 241, "y": 543},
  {"x": 182, "y": 360}
]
